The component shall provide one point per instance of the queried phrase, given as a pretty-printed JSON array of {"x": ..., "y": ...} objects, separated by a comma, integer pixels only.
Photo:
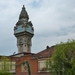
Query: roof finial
[
  {"x": 47, "y": 47},
  {"x": 23, "y": 7}
]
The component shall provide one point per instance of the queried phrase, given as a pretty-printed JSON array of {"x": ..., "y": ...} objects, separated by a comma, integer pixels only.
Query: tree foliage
[
  {"x": 62, "y": 61},
  {"x": 4, "y": 66},
  {"x": 5, "y": 73}
]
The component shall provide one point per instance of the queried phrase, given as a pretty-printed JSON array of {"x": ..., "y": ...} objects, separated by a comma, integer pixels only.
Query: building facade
[
  {"x": 24, "y": 31},
  {"x": 36, "y": 61}
]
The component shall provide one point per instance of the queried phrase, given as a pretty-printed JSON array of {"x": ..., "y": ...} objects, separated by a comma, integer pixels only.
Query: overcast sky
[{"x": 53, "y": 21}]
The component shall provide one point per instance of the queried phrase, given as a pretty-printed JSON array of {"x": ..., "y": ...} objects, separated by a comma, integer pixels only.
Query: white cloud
[{"x": 53, "y": 21}]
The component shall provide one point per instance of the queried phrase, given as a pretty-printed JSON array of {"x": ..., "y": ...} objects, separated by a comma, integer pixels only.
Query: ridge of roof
[
  {"x": 46, "y": 49},
  {"x": 44, "y": 53},
  {"x": 22, "y": 53}
]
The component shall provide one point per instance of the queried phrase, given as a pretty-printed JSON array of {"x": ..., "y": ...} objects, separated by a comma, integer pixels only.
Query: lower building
[{"x": 36, "y": 61}]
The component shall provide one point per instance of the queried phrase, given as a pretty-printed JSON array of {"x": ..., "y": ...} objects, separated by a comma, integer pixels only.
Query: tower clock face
[
  {"x": 29, "y": 29},
  {"x": 19, "y": 29}
]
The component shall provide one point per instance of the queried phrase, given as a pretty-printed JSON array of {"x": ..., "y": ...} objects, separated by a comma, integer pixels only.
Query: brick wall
[{"x": 33, "y": 64}]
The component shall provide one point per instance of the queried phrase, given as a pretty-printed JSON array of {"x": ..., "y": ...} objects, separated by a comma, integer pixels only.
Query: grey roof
[{"x": 23, "y": 13}]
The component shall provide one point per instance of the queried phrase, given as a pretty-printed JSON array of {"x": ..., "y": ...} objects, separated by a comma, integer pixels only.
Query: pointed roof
[{"x": 23, "y": 13}]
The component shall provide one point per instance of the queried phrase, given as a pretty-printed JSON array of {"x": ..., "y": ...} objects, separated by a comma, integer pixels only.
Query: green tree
[
  {"x": 62, "y": 61},
  {"x": 4, "y": 66}
]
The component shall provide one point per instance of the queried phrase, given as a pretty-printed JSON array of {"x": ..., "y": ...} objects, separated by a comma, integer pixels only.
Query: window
[
  {"x": 13, "y": 66},
  {"x": 41, "y": 66},
  {"x": 21, "y": 41}
]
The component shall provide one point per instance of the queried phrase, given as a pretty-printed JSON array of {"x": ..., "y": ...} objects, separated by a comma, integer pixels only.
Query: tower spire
[
  {"x": 23, "y": 14},
  {"x": 24, "y": 32}
]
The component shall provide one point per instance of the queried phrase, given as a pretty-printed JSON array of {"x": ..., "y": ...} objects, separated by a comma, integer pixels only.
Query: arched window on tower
[
  {"x": 21, "y": 41},
  {"x": 21, "y": 48}
]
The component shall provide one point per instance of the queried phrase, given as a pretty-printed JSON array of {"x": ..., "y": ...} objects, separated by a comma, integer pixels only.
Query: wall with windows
[
  {"x": 9, "y": 66},
  {"x": 23, "y": 68}
]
